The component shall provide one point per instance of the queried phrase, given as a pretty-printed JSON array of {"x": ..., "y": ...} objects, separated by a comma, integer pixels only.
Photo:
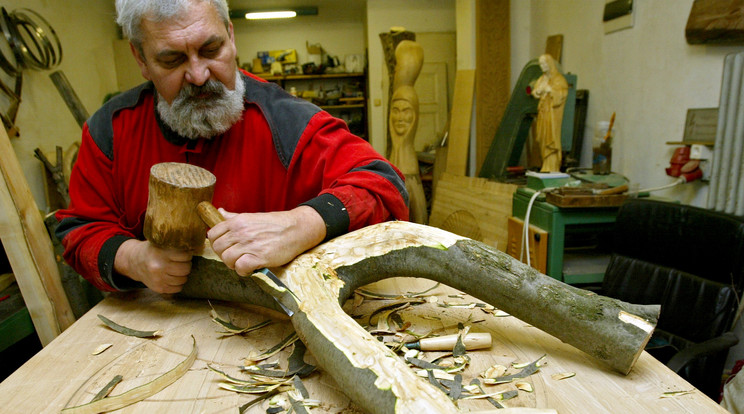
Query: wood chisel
[{"x": 212, "y": 217}]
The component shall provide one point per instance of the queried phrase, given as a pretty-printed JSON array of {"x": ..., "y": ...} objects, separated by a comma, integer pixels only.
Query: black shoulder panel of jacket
[
  {"x": 100, "y": 125},
  {"x": 286, "y": 115}
]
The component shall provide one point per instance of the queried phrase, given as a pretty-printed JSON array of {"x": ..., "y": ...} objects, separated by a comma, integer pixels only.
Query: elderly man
[{"x": 289, "y": 175}]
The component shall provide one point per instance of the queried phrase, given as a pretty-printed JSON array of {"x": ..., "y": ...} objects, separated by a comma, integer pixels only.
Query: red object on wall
[{"x": 682, "y": 166}]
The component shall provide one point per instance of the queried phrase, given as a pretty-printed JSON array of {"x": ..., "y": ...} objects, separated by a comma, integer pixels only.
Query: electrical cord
[
  {"x": 526, "y": 228},
  {"x": 678, "y": 181}
]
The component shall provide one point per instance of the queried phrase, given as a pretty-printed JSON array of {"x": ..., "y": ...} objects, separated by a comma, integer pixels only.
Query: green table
[{"x": 557, "y": 222}]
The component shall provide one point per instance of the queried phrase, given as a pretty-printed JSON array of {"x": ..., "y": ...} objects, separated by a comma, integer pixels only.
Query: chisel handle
[
  {"x": 474, "y": 340},
  {"x": 209, "y": 214}
]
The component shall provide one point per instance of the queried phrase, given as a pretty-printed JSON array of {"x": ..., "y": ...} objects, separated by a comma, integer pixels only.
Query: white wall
[
  {"x": 414, "y": 15},
  {"x": 648, "y": 75},
  {"x": 86, "y": 29}
]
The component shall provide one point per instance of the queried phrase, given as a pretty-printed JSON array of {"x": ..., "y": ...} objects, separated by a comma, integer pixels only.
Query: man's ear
[{"x": 140, "y": 61}]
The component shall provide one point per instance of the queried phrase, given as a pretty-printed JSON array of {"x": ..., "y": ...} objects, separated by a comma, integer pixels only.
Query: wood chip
[
  {"x": 494, "y": 371},
  {"x": 101, "y": 348},
  {"x": 562, "y": 375},
  {"x": 524, "y": 386}
]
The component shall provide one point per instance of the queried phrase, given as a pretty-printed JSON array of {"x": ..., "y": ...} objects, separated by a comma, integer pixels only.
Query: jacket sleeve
[
  {"x": 89, "y": 228},
  {"x": 360, "y": 187}
]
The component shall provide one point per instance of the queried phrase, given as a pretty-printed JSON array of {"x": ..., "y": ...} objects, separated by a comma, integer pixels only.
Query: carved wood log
[
  {"x": 171, "y": 219},
  {"x": 319, "y": 281}
]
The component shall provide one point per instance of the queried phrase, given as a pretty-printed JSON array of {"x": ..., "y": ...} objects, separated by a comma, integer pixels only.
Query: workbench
[{"x": 66, "y": 373}]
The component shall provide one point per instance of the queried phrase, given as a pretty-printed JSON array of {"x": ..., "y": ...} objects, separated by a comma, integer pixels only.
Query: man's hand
[
  {"x": 162, "y": 270},
  {"x": 250, "y": 241}
]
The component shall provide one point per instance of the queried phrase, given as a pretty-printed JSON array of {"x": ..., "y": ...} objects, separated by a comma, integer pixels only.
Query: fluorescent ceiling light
[
  {"x": 282, "y": 14},
  {"x": 273, "y": 14}
]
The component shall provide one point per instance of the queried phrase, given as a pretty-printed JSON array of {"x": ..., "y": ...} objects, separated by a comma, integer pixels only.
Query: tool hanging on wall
[{"x": 28, "y": 42}]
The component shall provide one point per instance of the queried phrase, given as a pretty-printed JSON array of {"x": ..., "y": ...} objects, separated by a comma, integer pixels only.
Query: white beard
[{"x": 193, "y": 117}]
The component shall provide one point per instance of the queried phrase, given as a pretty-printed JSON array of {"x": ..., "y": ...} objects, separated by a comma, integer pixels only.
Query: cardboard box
[{"x": 284, "y": 56}]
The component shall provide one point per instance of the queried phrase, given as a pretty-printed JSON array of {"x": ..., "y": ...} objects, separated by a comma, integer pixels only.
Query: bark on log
[{"x": 319, "y": 281}]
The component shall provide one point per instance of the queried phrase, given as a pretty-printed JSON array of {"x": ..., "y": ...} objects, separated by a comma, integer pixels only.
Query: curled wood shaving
[
  {"x": 528, "y": 370},
  {"x": 250, "y": 389},
  {"x": 139, "y": 393},
  {"x": 106, "y": 390},
  {"x": 243, "y": 408},
  {"x": 128, "y": 331},
  {"x": 671, "y": 394},
  {"x": 376, "y": 295},
  {"x": 289, "y": 340},
  {"x": 488, "y": 398},
  {"x": 232, "y": 329}
]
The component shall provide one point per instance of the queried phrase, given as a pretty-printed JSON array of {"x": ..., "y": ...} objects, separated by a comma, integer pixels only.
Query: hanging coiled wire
[
  {"x": 27, "y": 41},
  {"x": 31, "y": 39}
]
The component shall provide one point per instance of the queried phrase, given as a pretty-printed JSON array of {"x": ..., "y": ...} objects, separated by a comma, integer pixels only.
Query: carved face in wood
[{"x": 403, "y": 111}]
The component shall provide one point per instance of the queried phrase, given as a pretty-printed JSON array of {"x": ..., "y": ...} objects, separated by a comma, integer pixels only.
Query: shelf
[
  {"x": 310, "y": 77},
  {"x": 350, "y": 106},
  {"x": 342, "y": 106}
]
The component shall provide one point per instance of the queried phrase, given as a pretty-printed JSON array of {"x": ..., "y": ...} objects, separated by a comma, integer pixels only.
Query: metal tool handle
[{"x": 209, "y": 214}]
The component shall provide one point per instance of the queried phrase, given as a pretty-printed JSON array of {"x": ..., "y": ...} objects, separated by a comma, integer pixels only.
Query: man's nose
[{"x": 198, "y": 72}]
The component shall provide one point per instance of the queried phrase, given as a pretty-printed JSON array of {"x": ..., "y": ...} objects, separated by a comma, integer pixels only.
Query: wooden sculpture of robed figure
[{"x": 551, "y": 89}]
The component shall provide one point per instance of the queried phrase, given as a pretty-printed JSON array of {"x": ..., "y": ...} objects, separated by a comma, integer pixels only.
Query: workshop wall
[
  {"x": 340, "y": 31},
  {"x": 647, "y": 74},
  {"x": 86, "y": 29}
]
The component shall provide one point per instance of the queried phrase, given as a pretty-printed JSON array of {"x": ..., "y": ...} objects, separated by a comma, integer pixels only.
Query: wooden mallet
[{"x": 172, "y": 219}]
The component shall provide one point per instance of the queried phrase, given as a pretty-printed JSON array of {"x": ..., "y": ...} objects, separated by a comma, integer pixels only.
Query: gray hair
[{"x": 131, "y": 12}]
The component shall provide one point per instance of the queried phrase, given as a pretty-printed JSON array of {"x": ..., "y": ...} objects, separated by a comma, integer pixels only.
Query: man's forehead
[{"x": 197, "y": 25}]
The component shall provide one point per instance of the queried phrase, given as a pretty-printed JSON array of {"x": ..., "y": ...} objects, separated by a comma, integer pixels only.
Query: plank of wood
[
  {"x": 538, "y": 244},
  {"x": 554, "y": 46},
  {"x": 715, "y": 22},
  {"x": 583, "y": 200},
  {"x": 487, "y": 202},
  {"x": 30, "y": 250},
  {"x": 460, "y": 117},
  {"x": 493, "y": 48}
]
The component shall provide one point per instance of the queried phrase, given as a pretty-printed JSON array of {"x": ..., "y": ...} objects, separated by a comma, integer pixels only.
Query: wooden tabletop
[{"x": 66, "y": 373}]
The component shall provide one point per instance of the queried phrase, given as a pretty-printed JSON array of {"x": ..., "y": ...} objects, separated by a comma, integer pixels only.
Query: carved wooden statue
[
  {"x": 390, "y": 41},
  {"x": 404, "y": 111},
  {"x": 551, "y": 89}
]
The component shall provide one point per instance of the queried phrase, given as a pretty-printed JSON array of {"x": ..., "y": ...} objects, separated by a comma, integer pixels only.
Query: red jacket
[{"x": 284, "y": 152}]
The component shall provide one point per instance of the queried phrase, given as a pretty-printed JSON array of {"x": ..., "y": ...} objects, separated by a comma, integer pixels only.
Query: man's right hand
[{"x": 162, "y": 270}]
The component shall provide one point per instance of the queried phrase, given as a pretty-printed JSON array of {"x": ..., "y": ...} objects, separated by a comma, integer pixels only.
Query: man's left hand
[{"x": 249, "y": 241}]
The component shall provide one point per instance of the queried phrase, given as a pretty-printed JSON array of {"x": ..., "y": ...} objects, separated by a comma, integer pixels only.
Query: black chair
[{"x": 691, "y": 261}]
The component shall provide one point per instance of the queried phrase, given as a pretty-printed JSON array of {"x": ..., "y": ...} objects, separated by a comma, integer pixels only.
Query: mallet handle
[{"x": 209, "y": 214}]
